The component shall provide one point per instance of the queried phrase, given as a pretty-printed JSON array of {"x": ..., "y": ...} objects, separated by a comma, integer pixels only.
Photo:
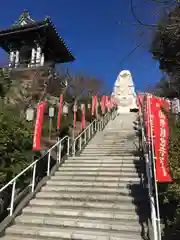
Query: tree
[{"x": 15, "y": 143}]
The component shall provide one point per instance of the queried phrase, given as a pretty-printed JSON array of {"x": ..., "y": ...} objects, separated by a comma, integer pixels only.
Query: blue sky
[{"x": 92, "y": 32}]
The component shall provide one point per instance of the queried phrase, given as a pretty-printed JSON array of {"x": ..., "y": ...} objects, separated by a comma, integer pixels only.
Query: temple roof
[{"x": 25, "y": 31}]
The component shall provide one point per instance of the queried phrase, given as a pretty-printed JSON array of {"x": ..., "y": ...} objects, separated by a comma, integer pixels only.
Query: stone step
[
  {"x": 69, "y": 233},
  {"x": 107, "y": 152},
  {"x": 96, "y": 167},
  {"x": 104, "y": 160},
  {"x": 88, "y": 183},
  {"x": 93, "y": 164},
  {"x": 79, "y": 222},
  {"x": 96, "y": 206},
  {"x": 131, "y": 157},
  {"x": 95, "y": 173},
  {"x": 112, "y": 145},
  {"x": 99, "y": 154},
  {"x": 26, "y": 237},
  {"x": 97, "y": 178},
  {"x": 81, "y": 162},
  {"x": 90, "y": 195},
  {"x": 116, "y": 190},
  {"x": 77, "y": 212}
]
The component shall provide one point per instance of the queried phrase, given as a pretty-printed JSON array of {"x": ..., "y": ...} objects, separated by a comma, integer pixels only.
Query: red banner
[
  {"x": 38, "y": 126},
  {"x": 60, "y": 112},
  {"x": 160, "y": 131},
  {"x": 94, "y": 105},
  {"x": 103, "y": 104},
  {"x": 108, "y": 103},
  {"x": 83, "y": 120},
  {"x": 148, "y": 116}
]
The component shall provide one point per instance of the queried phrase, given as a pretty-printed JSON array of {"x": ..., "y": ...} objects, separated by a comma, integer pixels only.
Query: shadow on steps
[{"x": 140, "y": 198}]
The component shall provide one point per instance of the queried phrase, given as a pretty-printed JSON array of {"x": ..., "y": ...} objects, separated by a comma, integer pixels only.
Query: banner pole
[{"x": 154, "y": 171}]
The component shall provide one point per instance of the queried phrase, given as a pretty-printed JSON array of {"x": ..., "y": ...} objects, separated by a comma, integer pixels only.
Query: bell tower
[{"x": 32, "y": 44}]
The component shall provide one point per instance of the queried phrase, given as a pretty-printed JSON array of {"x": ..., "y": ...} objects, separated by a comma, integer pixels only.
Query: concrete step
[
  {"x": 110, "y": 145},
  {"x": 131, "y": 157},
  {"x": 115, "y": 190},
  {"x": 97, "y": 167},
  {"x": 26, "y": 237},
  {"x": 80, "y": 222},
  {"x": 88, "y": 183},
  {"x": 96, "y": 206},
  {"x": 101, "y": 196},
  {"x": 108, "y": 152},
  {"x": 97, "y": 178},
  {"x": 95, "y": 173},
  {"x": 103, "y": 163},
  {"x": 70, "y": 233},
  {"x": 110, "y": 148},
  {"x": 98, "y": 154},
  {"x": 93, "y": 164}
]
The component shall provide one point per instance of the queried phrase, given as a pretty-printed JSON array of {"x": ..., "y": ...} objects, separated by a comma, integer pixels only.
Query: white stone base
[{"x": 126, "y": 109}]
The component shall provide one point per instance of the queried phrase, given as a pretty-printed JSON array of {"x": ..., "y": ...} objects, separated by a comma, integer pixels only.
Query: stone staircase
[{"x": 95, "y": 196}]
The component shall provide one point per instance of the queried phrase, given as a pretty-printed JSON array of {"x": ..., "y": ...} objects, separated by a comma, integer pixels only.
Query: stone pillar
[
  {"x": 42, "y": 60},
  {"x": 11, "y": 59},
  {"x": 16, "y": 59},
  {"x": 33, "y": 56},
  {"x": 38, "y": 56}
]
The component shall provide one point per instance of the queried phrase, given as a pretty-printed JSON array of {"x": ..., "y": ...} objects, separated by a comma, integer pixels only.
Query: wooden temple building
[
  {"x": 34, "y": 49},
  {"x": 31, "y": 44}
]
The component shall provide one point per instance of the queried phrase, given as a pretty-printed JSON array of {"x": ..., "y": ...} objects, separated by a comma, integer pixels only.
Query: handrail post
[
  {"x": 92, "y": 129},
  {"x": 49, "y": 162},
  {"x": 68, "y": 146},
  {"x": 74, "y": 148},
  {"x": 59, "y": 152},
  {"x": 89, "y": 133},
  {"x": 85, "y": 136},
  {"x": 12, "y": 198},
  {"x": 80, "y": 142},
  {"x": 33, "y": 178}
]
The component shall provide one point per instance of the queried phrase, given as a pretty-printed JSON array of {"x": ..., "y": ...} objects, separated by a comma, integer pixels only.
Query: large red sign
[
  {"x": 160, "y": 130},
  {"x": 38, "y": 126}
]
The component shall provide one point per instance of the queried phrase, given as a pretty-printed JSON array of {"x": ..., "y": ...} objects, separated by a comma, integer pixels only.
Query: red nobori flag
[
  {"x": 83, "y": 120},
  {"x": 94, "y": 105},
  {"x": 148, "y": 117},
  {"x": 60, "y": 112},
  {"x": 108, "y": 104},
  {"x": 38, "y": 126},
  {"x": 161, "y": 135},
  {"x": 103, "y": 99}
]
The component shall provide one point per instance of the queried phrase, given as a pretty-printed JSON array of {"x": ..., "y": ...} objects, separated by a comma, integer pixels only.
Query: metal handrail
[
  {"x": 33, "y": 165},
  {"x": 149, "y": 180},
  {"x": 87, "y": 132},
  {"x": 102, "y": 123}
]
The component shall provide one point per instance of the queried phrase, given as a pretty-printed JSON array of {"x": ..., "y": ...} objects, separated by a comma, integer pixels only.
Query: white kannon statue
[{"x": 124, "y": 92}]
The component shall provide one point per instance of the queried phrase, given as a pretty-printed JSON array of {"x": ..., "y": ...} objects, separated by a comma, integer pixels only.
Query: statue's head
[{"x": 125, "y": 73}]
